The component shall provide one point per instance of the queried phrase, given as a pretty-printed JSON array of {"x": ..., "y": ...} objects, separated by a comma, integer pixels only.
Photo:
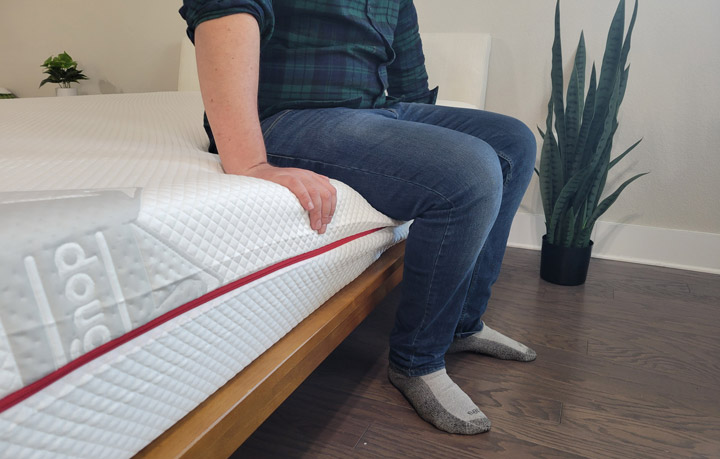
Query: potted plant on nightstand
[
  {"x": 62, "y": 69},
  {"x": 576, "y": 155}
]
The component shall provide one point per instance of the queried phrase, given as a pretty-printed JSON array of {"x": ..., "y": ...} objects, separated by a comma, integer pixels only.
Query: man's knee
[
  {"x": 476, "y": 177},
  {"x": 522, "y": 148}
]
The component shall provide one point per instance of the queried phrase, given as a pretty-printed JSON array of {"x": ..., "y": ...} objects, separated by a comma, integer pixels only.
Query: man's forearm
[
  {"x": 228, "y": 55},
  {"x": 228, "y": 58}
]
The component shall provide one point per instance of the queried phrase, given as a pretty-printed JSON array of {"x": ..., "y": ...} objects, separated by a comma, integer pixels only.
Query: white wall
[
  {"x": 122, "y": 46},
  {"x": 673, "y": 98}
]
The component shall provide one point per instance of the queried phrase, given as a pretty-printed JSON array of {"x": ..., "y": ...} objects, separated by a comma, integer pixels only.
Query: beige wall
[
  {"x": 122, "y": 46},
  {"x": 672, "y": 99}
]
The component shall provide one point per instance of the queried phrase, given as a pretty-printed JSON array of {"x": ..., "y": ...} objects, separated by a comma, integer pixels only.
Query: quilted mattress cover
[{"x": 136, "y": 278}]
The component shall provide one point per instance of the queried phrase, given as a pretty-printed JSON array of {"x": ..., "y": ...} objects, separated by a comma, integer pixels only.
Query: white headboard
[
  {"x": 457, "y": 62},
  {"x": 187, "y": 73}
]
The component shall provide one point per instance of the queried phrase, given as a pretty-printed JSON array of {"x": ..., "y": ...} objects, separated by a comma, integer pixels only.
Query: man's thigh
[
  {"x": 402, "y": 168},
  {"x": 511, "y": 139}
]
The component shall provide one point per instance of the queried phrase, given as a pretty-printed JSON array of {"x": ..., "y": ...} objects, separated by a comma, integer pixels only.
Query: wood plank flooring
[{"x": 628, "y": 367}]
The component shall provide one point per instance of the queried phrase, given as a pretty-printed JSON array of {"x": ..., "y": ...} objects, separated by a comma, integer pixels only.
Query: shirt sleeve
[
  {"x": 197, "y": 11},
  {"x": 407, "y": 76}
]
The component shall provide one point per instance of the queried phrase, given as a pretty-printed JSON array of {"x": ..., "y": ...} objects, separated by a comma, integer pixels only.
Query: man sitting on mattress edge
[{"x": 297, "y": 91}]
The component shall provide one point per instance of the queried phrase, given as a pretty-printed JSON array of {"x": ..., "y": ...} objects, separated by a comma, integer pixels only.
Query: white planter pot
[{"x": 62, "y": 92}]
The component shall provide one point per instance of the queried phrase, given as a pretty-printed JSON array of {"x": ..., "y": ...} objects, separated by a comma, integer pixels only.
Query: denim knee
[
  {"x": 522, "y": 149},
  {"x": 476, "y": 178}
]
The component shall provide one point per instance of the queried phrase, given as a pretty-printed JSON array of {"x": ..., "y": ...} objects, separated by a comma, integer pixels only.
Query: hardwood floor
[{"x": 628, "y": 366}]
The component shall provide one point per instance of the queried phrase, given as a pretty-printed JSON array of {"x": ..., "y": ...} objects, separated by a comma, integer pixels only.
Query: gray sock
[
  {"x": 488, "y": 341},
  {"x": 439, "y": 401}
]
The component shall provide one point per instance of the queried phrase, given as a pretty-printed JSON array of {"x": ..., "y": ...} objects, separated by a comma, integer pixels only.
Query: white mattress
[{"x": 136, "y": 278}]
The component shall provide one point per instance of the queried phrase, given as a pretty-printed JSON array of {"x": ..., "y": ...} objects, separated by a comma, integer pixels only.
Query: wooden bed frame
[{"x": 219, "y": 425}]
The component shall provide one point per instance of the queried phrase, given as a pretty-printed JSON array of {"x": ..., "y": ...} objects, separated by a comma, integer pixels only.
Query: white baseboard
[{"x": 648, "y": 245}]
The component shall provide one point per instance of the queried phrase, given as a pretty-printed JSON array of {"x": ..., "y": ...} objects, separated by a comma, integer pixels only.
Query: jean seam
[
  {"x": 367, "y": 172},
  {"x": 463, "y": 313},
  {"x": 432, "y": 279},
  {"x": 279, "y": 117},
  {"x": 510, "y": 163}
]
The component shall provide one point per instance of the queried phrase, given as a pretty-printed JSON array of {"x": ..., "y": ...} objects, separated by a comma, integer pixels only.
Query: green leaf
[
  {"x": 580, "y": 63},
  {"x": 610, "y": 200},
  {"x": 569, "y": 228},
  {"x": 619, "y": 158},
  {"x": 628, "y": 38},
  {"x": 582, "y": 155},
  {"x": 610, "y": 122},
  {"x": 564, "y": 200},
  {"x": 596, "y": 188},
  {"x": 597, "y": 160},
  {"x": 72, "y": 75},
  {"x": 582, "y": 239},
  {"x": 558, "y": 83},
  {"x": 625, "y": 74},
  {"x": 551, "y": 174},
  {"x": 609, "y": 73},
  {"x": 580, "y": 224},
  {"x": 575, "y": 97},
  {"x": 551, "y": 179},
  {"x": 65, "y": 60}
]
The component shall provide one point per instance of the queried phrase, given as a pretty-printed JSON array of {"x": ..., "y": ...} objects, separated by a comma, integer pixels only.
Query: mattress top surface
[
  {"x": 114, "y": 214},
  {"x": 107, "y": 141}
]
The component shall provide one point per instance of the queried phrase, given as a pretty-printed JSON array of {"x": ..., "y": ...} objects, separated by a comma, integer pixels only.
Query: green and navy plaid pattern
[{"x": 330, "y": 53}]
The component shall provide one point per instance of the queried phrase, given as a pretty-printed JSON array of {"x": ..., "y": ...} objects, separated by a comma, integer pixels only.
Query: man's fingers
[
  {"x": 310, "y": 200},
  {"x": 316, "y": 212},
  {"x": 329, "y": 197},
  {"x": 333, "y": 201},
  {"x": 325, "y": 212},
  {"x": 297, "y": 187},
  {"x": 314, "y": 191}
]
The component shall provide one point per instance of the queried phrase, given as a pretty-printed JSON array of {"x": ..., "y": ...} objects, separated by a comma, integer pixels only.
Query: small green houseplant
[
  {"x": 576, "y": 155},
  {"x": 62, "y": 69}
]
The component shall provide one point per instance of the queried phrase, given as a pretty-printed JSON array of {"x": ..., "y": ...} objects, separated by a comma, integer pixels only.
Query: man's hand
[
  {"x": 314, "y": 191},
  {"x": 228, "y": 58}
]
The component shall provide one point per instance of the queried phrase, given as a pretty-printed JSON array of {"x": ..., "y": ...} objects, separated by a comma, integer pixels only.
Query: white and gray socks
[
  {"x": 489, "y": 342},
  {"x": 439, "y": 401}
]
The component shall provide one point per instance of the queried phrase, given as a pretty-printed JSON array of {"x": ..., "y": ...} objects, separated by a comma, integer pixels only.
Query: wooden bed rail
[{"x": 219, "y": 425}]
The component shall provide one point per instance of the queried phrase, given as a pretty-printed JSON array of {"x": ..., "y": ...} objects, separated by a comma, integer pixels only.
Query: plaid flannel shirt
[{"x": 330, "y": 53}]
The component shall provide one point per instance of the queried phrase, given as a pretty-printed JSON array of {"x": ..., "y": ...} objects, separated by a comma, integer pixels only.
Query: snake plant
[{"x": 576, "y": 157}]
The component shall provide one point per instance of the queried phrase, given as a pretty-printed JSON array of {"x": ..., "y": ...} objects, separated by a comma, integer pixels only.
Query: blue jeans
[{"x": 460, "y": 174}]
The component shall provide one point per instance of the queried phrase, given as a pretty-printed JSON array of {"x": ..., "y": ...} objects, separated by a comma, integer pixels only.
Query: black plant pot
[{"x": 563, "y": 265}]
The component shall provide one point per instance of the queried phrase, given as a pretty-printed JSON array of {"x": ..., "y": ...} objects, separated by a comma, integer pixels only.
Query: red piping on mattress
[{"x": 21, "y": 394}]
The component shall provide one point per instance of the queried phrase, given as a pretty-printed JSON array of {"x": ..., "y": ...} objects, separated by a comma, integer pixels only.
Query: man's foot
[
  {"x": 489, "y": 342},
  {"x": 439, "y": 401}
]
